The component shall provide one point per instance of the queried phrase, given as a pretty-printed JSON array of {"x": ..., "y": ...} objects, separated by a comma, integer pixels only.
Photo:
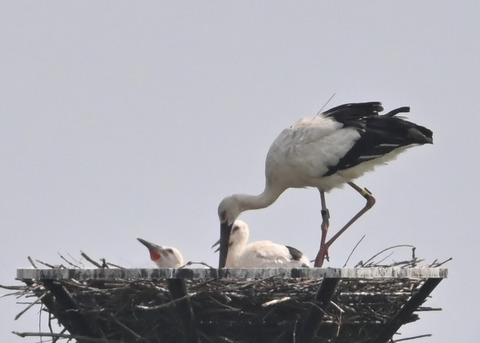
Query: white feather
[{"x": 261, "y": 254}]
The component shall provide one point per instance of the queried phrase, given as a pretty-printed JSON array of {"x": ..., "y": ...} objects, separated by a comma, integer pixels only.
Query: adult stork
[
  {"x": 325, "y": 152},
  {"x": 162, "y": 256},
  {"x": 260, "y": 254}
]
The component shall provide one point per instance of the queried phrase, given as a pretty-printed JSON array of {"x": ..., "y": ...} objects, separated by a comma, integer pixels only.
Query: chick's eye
[{"x": 235, "y": 228}]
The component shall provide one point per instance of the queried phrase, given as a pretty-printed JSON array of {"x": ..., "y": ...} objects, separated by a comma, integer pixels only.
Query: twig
[
  {"x": 383, "y": 259},
  {"x": 413, "y": 256},
  {"x": 137, "y": 336},
  {"x": 275, "y": 301},
  {"x": 340, "y": 316},
  {"x": 436, "y": 264},
  {"x": 38, "y": 300},
  {"x": 294, "y": 333},
  {"x": 231, "y": 308},
  {"x": 148, "y": 308},
  {"x": 49, "y": 265},
  {"x": 189, "y": 263},
  {"x": 31, "y": 262},
  {"x": 76, "y": 261},
  {"x": 59, "y": 335},
  {"x": 96, "y": 264},
  {"x": 50, "y": 317},
  {"x": 410, "y": 338},
  {"x": 115, "y": 265},
  {"x": 351, "y": 253},
  {"x": 15, "y": 288},
  {"x": 104, "y": 263},
  {"x": 70, "y": 263},
  {"x": 386, "y": 249},
  {"x": 40, "y": 323}
]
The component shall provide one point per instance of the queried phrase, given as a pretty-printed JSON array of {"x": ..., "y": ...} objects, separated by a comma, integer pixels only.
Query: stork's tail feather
[
  {"x": 420, "y": 135},
  {"x": 379, "y": 134},
  {"x": 396, "y": 111},
  {"x": 348, "y": 112}
]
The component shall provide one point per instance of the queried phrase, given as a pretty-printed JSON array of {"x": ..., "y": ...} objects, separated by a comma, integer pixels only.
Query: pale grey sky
[{"x": 134, "y": 119}]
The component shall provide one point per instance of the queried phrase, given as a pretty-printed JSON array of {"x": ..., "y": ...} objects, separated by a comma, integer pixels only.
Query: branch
[
  {"x": 189, "y": 263},
  {"x": 49, "y": 265},
  {"x": 410, "y": 338},
  {"x": 96, "y": 264},
  {"x": 70, "y": 263},
  {"x": 389, "y": 248},
  {"x": 59, "y": 335},
  {"x": 143, "y": 307},
  {"x": 31, "y": 262},
  {"x": 354, "y": 248},
  {"x": 39, "y": 300},
  {"x": 115, "y": 265},
  {"x": 436, "y": 264}
]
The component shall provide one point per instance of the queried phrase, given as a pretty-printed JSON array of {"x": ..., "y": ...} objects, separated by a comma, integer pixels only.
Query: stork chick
[
  {"x": 164, "y": 257},
  {"x": 261, "y": 254}
]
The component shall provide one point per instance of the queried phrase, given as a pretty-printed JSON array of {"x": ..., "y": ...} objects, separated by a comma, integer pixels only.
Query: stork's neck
[{"x": 255, "y": 202}]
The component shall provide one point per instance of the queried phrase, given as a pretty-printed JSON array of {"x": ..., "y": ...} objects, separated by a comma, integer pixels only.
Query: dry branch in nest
[{"x": 232, "y": 308}]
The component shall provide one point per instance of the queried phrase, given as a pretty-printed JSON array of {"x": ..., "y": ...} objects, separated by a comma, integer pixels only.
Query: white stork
[
  {"x": 261, "y": 254},
  {"x": 164, "y": 257},
  {"x": 325, "y": 152}
]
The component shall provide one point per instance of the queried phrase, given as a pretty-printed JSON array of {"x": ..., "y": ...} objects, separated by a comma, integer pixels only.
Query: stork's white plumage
[
  {"x": 327, "y": 151},
  {"x": 164, "y": 257},
  {"x": 261, "y": 254}
]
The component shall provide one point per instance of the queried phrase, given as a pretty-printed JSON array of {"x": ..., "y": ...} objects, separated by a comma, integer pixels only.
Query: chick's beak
[{"x": 149, "y": 245}]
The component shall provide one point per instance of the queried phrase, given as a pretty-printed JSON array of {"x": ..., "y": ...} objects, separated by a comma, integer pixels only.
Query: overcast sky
[{"x": 134, "y": 119}]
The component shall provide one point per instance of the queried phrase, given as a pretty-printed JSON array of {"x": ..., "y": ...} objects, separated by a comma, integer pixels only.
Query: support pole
[
  {"x": 407, "y": 310},
  {"x": 316, "y": 313},
  {"x": 66, "y": 310},
  {"x": 178, "y": 289}
]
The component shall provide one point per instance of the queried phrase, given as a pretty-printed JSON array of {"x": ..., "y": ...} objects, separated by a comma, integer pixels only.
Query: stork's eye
[
  {"x": 223, "y": 216},
  {"x": 170, "y": 251}
]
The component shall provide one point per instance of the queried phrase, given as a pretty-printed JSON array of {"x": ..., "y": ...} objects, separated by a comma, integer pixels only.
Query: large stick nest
[
  {"x": 272, "y": 309},
  {"x": 269, "y": 309}
]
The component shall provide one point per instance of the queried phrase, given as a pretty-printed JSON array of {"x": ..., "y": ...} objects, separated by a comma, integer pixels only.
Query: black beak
[
  {"x": 225, "y": 230},
  {"x": 149, "y": 245}
]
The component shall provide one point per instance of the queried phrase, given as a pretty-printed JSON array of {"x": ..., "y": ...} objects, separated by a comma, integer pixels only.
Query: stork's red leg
[{"x": 323, "y": 253}]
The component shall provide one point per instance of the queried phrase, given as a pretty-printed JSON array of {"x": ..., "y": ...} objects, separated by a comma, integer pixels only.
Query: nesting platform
[{"x": 233, "y": 305}]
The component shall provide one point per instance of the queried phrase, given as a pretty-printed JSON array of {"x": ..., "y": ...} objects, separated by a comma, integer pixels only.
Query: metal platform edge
[{"x": 254, "y": 273}]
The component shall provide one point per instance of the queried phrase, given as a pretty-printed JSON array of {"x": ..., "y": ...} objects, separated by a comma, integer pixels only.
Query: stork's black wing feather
[
  {"x": 354, "y": 114},
  {"x": 379, "y": 134}
]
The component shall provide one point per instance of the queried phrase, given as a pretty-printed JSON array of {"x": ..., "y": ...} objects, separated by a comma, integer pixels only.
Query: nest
[{"x": 254, "y": 305}]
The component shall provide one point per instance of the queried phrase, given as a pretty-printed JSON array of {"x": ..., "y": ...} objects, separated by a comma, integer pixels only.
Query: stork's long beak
[
  {"x": 225, "y": 230},
  {"x": 149, "y": 245}
]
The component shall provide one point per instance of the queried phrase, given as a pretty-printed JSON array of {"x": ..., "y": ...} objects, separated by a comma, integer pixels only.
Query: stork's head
[
  {"x": 236, "y": 241},
  {"x": 164, "y": 257},
  {"x": 239, "y": 234},
  {"x": 228, "y": 210}
]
